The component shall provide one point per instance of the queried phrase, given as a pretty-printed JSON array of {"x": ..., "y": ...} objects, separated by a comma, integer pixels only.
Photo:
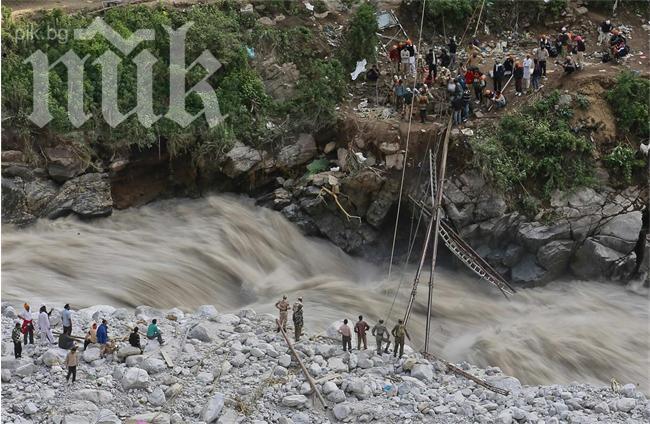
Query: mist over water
[{"x": 224, "y": 251}]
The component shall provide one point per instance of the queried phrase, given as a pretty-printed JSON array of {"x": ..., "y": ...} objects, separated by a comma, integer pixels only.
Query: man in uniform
[
  {"x": 378, "y": 331},
  {"x": 399, "y": 331},
  {"x": 283, "y": 307},
  {"x": 297, "y": 318},
  {"x": 360, "y": 328}
]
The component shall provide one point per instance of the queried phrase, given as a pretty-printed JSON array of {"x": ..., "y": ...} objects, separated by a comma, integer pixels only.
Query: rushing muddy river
[{"x": 225, "y": 251}]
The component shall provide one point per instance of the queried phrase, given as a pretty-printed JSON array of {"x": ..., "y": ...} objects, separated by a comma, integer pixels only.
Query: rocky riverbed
[{"x": 231, "y": 368}]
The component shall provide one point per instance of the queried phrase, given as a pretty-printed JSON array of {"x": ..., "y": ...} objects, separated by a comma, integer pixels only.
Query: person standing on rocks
[
  {"x": 44, "y": 327},
  {"x": 154, "y": 333},
  {"x": 360, "y": 328},
  {"x": 297, "y": 319},
  {"x": 283, "y": 307},
  {"x": 27, "y": 327},
  {"x": 102, "y": 337},
  {"x": 542, "y": 55},
  {"x": 66, "y": 319},
  {"x": 16, "y": 337},
  {"x": 346, "y": 335},
  {"x": 134, "y": 339},
  {"x": 498, "y": 72},
  {"x": 72, "y": 361},
  {"x": 603, "y": 31},
  {"x": 381, "y": 335},
  {"x": 452, "y": 52},
  {"x": 398, "y": 332},
  {"x": 91, "y": 335}
]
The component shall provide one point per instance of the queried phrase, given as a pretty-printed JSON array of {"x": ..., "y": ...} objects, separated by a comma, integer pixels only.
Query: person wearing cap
[
  {"x": 381, "y": 335},
  {"x": 604, "y": 29},
  {"x": 297, "y": 318},
  {"x": 398, "y": 332},
  {"x": 71, "y": 361},
  {"x": 283, "y": 307},
  {"x": 563, "y": 42},
  {"x": 16, "y": 337},
  {"x": 66, "y": 319},
  {"x": 44, "y": 326},
  {"x": 27, "y": 327}
]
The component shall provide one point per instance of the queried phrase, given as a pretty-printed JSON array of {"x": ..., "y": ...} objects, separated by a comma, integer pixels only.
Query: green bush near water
[{"x": 535, "y": 149}]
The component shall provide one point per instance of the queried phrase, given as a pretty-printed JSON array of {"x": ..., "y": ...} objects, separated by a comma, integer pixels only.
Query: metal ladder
[{"x": 467, "y": 255}]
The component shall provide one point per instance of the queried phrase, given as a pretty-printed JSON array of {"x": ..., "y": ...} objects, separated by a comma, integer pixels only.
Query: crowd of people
[
  {"x": 360, "y": 329},
  {"x": 23, "y": 333},
  {"x": 467, "y": 82}
]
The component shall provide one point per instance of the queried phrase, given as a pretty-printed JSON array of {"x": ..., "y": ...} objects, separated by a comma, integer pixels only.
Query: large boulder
[
  {"x": 621, "y": 232},
  {"x": 555, "y": 256},
  {"x": 297, "y": 153},
  {"x": 534, "y": 235},
  {"x": 240, "y": 159},
  {"x": 14, "y": 202},
  {"x": 212, "y": 409},
  {"x": 63, "y": 163},
  {"x": 594, "y": 260},
  {"x": 135, "y": 378},
  {"x": 527, "y": 272},
  {"x": 294, "y": 401},
  {"x": 98, "y": 397},
  {"x": 88, "y": 196},
  {"x": 53, "y": 356}
]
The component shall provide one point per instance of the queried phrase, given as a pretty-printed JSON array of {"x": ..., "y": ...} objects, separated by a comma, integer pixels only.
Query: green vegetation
[
  {"x": 360, "y": 38},
  {"x": 536, "y": 149},
  {"x": 622, "y": 160},
  {"x": 219, "y": 27},
  {"x": 629, "y": 100}
]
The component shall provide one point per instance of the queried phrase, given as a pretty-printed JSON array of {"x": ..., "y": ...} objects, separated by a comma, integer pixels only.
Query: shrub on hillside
[
  {"x": 360, "y": 38},
  {"x": 629, "y": 100},
  {"x": 535, "y": 148}
]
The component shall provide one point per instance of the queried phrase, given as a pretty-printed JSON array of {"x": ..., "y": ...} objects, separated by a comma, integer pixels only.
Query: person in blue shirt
[
  {"x": 154, "y": 333},
  {"x": 102, "y": 337},
  {"x": 66, "y": 319}
]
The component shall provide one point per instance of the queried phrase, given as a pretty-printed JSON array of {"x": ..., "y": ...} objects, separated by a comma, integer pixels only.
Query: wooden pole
[
  {"x": 434, "y": 249},
  {"x": 479, "y": 19},
  {"x": 416, "y": 280},
  {"x": 311, "y": 381}
]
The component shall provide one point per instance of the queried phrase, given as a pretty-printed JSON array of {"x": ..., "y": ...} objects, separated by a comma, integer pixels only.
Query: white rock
[
  {"x": 628, "y": 390},
  {"x": 25, "y": 370},
  {"x": 602, "y": 408},
  {"x": 229, "y": 319},
  {"x": 9, "y": 312},
  {"x": 258, "y": 353},
  {"x": 329, "y": 387},
  {"x": 238, "y": 360},
  {"x": 200, "y": 332},
  {"x": 518, "y": 414},
  {"x": 294, "y": 401},
  {"x": 6, "y": 375},
  {"x": 91, "y": 354},
  {"x": 134, "y": 360},
  {"x": 205, "y": 377},
  {"x": 98, "y": 397},
  {"x": 126, "y": 351},
  {"x": 54, "y": 356},
  {"x": 107, "y": 417},
  {"x": 150, "y": 417},
  {"x": 284, "y": 360},
  {"x": 341, "y": 411},
  {"x": 30, "y": 408},
  {"x": 505, "y": 417},
  {"x": 336, "y": 364},
  {"x": 157, "y": 397},
  {"x": 207, "y": 311},
  {"x": 135, "y": 378},
  {"x": 422, "y": 372},
  {"x": 336, "y": 396},
  {"x": 211, "y": 411},
  {"x": 625, "y": 404},
  {"x": 153, "y": 365}
]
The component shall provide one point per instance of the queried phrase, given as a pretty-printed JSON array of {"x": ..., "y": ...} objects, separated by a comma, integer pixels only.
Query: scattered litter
[
  {"x": 335, "y": 169},
  {"x": 251, "y": 52},
  {"x": 270, "y": 125},
  {"x": 363, "y": 104},
  {"x": 467, "y": 131},
  {"x": 309, "y": 6},
  {"x": 361, "y": 66},
  {"x": 360, "y": 157}
]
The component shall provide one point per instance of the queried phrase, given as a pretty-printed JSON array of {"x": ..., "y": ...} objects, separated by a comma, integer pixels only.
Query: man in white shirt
[{"x": 66, "y": 319}]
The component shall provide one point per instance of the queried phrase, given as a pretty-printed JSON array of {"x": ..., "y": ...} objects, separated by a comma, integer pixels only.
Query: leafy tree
[
  {"x": 629, "y": 100},
  {"x": 360, "y": 39}
]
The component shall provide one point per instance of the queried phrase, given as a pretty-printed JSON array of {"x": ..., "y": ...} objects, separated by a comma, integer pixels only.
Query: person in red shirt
[
  {"x": 394, "y": 56},
  {"x": 360, "y": 328}
]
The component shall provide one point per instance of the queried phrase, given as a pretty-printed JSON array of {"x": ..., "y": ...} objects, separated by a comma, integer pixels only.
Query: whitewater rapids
[{"x": 224, "y": 251}]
